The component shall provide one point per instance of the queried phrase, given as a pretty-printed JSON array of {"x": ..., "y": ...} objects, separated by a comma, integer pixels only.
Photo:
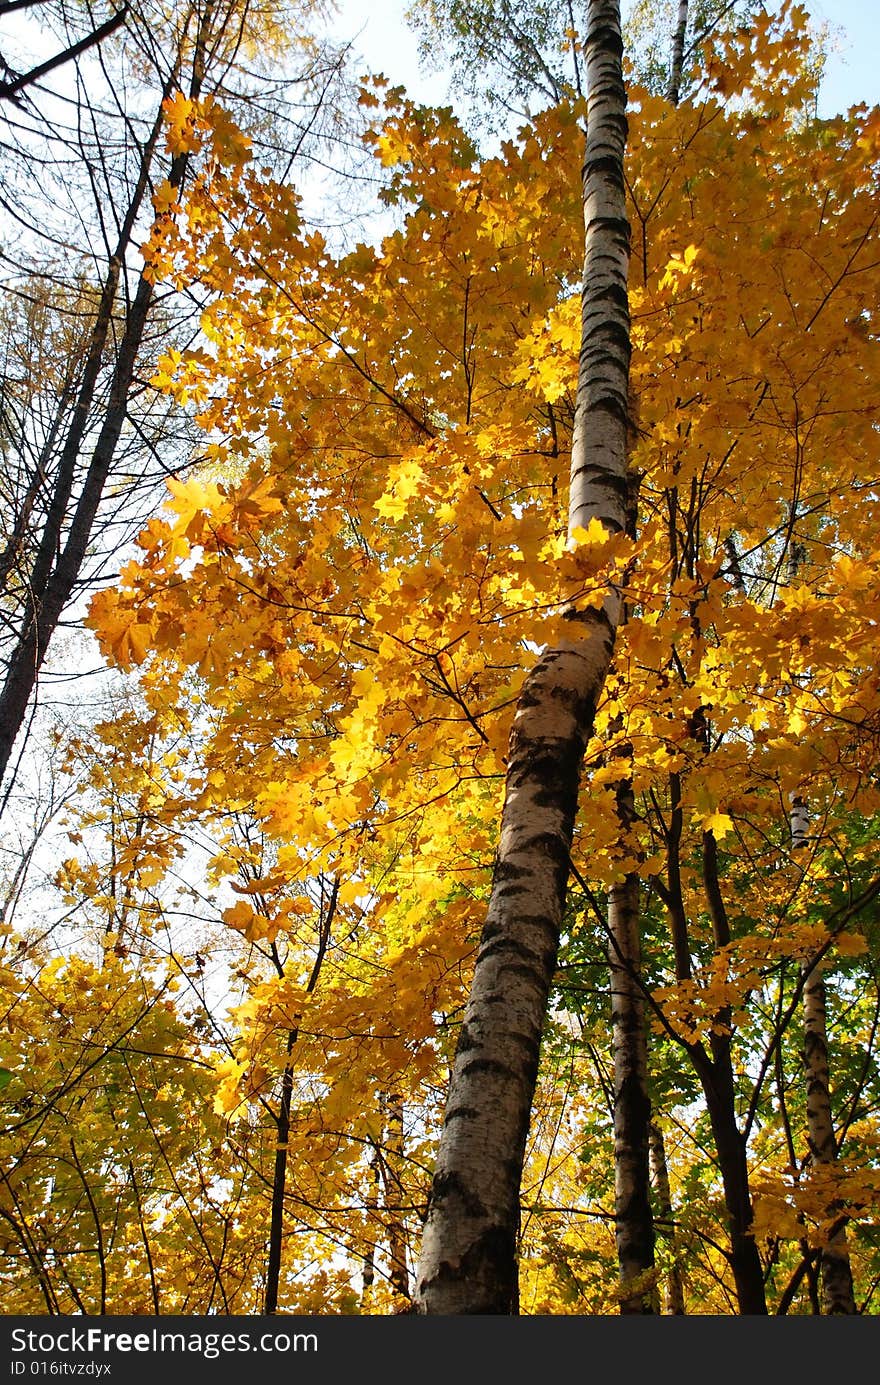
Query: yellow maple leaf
[
  {"x": 719, "y": 824},
  {"x": 405, "y": 481},
  {"x": 179, "y": 134},
  {"x": 850, "y": 944},
  {"x": 165, "y": 198}
]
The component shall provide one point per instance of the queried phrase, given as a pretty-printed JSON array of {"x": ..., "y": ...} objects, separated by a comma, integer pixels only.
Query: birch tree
[
  {"x": 834, "y": 1267},
  {"x": 468, "y": 1256}
]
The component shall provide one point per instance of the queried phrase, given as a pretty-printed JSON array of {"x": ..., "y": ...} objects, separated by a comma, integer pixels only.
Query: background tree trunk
[
  {"x": 834, "y": 1267},
  {"x": 633, "y": 1218},
  {"x": 398, "y": 1271},
  {"x": 673, "y": 1298},
  {"x": 675, "y": 67}
]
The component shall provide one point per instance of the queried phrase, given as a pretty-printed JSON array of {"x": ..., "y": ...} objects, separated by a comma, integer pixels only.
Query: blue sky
[{"x": 852, "y": 72}]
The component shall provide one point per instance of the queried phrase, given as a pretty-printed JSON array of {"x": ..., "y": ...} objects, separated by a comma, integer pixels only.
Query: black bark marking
[
  {"x": 461, "y": 1113},
  {"x": 449, "y": 1185},
  {"x": 607, "y": 39},
  {"x": 465, "y": 1041},
  {"x": 486, "y": 1065},
  {"x": 556, "y": 773},
  {"x": 485, "y": 1264},
  {"x": 508, "y": 870},
  {"x": 500, "y": 941}
]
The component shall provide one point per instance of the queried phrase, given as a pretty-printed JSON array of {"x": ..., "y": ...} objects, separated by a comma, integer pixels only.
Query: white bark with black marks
[
  {"x": 468, "y": 1254},
  {"x": 834, "y": 1265},
  {"x": 677, "y": 64}
]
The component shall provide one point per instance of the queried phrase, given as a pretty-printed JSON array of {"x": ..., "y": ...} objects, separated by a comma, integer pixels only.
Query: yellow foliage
[{"x": 350, "y": 612}]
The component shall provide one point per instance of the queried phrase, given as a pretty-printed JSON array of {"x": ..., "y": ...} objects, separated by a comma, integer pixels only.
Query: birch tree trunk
[
  {"x": 398, "y": 1272},
  {"x": 468, "y": 1253},
  {"x": 633, "y": 1219},
  {"x": 834, "y": 1267},
  {"x": 835, "y": 1272},
  {"x": 677, "y": 63}
]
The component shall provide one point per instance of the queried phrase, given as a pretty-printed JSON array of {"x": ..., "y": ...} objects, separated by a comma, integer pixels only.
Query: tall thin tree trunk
[
  {"x": 835, "y": 1271},
  {"x": 715, "y": 1068},
  {"x": 633, "y": 1218},
  {"x": 675, "y": 67},
  {"x": 398, "y": 1272},
  {"x": 11, "y": 559},
  {"x": 673, "y": 1297},
  {"x": 282, "y": 1119},
  {"x": 372, "y": 1203},
  {"x": 49, "y": 599},
  {"x": 279, "y": 1183},
  {"x": 468, "y": 1254},
  {"x": 716, "y": 1077},
  {"x": 834, "y": 1265},
  {"x": 719, "y": 1087}
]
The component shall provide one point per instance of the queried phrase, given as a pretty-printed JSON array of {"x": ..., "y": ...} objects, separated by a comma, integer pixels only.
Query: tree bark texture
[
  {"x": 633, "y": 1217},
  {"x": 468, "y": 1254},
  {"x": 715, "y": 1066},
  {"x": 834, "y": 1266},
  {"x": 673, "y": 1295},
  {"x": 716, "y": 1077},
  {"x": 677, "y": 64}
]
